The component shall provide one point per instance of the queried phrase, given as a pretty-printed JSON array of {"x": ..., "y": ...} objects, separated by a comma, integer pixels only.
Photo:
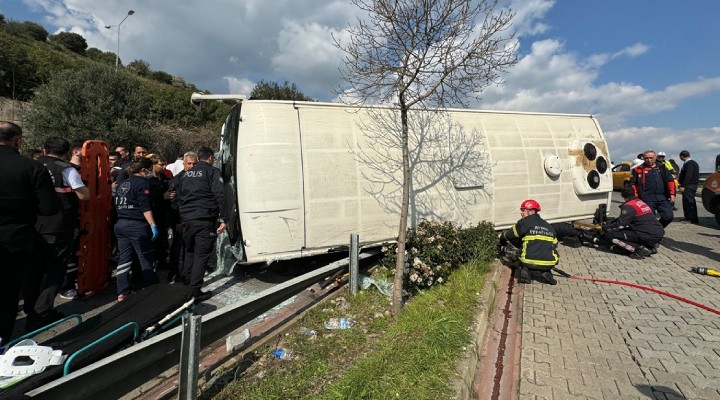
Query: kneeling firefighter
[
  {"x": 636, "y": 232},
  {"x": 537, "y": 242}
]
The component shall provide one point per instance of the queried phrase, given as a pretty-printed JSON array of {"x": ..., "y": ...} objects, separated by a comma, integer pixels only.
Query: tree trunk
[{"x": 402, "y": 233}]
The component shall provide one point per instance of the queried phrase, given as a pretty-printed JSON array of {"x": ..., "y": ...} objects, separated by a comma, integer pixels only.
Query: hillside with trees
[{"x": 74, "y": 91}]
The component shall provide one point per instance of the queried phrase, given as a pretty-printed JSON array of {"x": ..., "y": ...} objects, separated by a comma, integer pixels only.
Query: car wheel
[{"x": 717, "y": 215}]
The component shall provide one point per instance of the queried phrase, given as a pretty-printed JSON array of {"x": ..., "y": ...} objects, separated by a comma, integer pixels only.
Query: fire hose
[{"x": 636, "y": 286}]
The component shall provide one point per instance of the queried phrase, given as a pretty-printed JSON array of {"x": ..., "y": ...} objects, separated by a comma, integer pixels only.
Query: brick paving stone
[{"x": 594, "y": 340}]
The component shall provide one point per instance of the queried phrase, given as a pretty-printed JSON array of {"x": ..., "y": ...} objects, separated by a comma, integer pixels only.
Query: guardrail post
[
  {"x": 354, "y": 254},
  {"x": 189, "y": 356}
]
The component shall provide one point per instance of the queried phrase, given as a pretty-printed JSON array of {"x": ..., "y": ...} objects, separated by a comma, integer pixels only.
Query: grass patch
[{"x": 412, "y": 356}]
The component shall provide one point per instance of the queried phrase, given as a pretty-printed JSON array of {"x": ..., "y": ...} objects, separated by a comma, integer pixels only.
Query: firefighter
[
  {"x": 654, "y": 185},
  {"x": 538, "y": 243},
  {"x": 636, "y": 232}
]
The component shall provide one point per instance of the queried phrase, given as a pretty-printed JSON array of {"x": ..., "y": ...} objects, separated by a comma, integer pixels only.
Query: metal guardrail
[{"x": 114, "y": 376}]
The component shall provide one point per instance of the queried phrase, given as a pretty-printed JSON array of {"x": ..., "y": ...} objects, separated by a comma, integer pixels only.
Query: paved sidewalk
[{"x": 592, "y": 340}]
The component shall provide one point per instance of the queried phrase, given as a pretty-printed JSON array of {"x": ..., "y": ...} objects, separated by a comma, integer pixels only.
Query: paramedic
[
  {"x": 61, "y": 230},
  {"x": 135, "y": 228}
]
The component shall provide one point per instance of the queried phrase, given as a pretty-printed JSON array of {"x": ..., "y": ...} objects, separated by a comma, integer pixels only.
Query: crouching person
[
  {"x": 636, "y": 232},
  {"x": 537, "y": 242}
]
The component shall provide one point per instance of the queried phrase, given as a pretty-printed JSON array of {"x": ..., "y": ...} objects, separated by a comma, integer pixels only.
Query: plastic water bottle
[
  {"x": 283, "y": 354},
  {"x": 339, "y": 323},
  {"x": 308, "y": 331}
]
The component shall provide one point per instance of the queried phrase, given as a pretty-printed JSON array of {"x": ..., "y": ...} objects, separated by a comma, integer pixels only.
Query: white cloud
[
  {"x": 306, "y": 51},
  {"x": 702, "y": 143},
  {"x": 227, "y": 45},
  {"x": 528, "y": 16},
  {"x": 239, "y": 86},
  {"x": 633, "y": 51}
]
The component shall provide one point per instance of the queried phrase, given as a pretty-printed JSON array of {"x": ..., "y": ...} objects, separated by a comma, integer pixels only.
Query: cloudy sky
[{"x": 648, "y": 70}]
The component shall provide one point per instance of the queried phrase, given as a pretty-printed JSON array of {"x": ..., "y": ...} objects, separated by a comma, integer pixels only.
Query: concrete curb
[{"x": 467, "y": 366}]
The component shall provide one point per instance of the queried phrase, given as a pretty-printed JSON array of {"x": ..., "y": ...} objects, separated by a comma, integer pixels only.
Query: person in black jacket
[
  {"x": 538, "y": 242},
  {"x": 689, "y": 179},
  {"x": 636, "y": 232},
  {"x": 61, "y": 230},
  {"x": 159, "y": 184},
  {"x": 177, "y": 245},
  {"x": 201, "y": 203},
  {"x": 654, "y": 185},
  {"x": 25, "y": 192},
  {"x": 135, "y": 228}
]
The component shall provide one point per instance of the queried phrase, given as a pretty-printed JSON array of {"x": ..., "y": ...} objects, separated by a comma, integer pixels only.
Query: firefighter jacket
[
  {"x": 201, "y": 193},
  {"x": 655, "y": 181},
  {"x": 67, "y": 219},
  {"x": 26, "y": 191},
  {"x": 637, "y": 216},
  {"x": 539, "y": 241}
]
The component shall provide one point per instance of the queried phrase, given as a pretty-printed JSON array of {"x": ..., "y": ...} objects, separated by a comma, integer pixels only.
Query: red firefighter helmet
[{"x": 530, "y": 203}]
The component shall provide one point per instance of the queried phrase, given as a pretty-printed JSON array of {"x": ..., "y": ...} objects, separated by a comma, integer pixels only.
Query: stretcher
[{"x": 143, "y": 315}]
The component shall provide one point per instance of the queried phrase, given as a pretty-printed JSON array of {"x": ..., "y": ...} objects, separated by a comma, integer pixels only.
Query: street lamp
[{"x": 117, "y": 55}]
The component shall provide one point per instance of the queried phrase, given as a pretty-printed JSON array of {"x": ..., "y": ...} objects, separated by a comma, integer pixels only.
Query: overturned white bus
[{"x": 303, "y": 176}]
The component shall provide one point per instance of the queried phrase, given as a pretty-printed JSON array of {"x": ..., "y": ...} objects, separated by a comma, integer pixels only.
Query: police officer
[
  {"x": 538, "y": 242},
  {"x": 654, "y": 185},
  {"x": 636, "y": 231},
  {"x": 201, "y": 202},
  {"x": 135, "y": 228},
  {"x": 25, "y": 192},
  {"x": 177, "y": 246}
]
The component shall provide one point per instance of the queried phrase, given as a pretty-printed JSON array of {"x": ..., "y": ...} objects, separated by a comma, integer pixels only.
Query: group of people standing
[
  {"x": 657, "y": 180},
  {"x": 40, "y": 228},
  {"x": 40, "y": 223},
  {"x": 150, "y": 202}
]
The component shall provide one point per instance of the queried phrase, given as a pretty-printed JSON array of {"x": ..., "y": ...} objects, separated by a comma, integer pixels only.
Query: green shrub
[
  {"x": 479, "y": 242},
  {"x": 434, "y": 249}
]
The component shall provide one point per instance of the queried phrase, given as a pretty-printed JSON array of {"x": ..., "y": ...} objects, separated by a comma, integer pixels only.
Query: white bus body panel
[{"x": 302, "y": 187}]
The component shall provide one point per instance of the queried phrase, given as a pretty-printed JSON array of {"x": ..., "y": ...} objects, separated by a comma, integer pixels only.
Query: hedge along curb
[{"x": 466, "y": 368}]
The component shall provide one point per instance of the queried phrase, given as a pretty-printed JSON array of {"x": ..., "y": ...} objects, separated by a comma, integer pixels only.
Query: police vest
[{"x": 67, "y": 219}]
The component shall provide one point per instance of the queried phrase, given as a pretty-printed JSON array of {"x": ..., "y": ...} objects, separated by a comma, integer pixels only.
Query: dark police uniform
[
  {"x": 654, "y": 185},
  {"x": 201, "y": 202},
  {"x": 25, "y": 192},
  {"x": 133, "y": 197},
  {"x": 635, "y": 226}
]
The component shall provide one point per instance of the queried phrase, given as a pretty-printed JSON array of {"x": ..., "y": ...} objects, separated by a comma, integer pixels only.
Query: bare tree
[{"x": 423, "y": 54}]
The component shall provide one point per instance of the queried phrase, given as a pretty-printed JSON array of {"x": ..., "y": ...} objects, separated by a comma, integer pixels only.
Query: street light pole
[{"x": 117, "y": 55}]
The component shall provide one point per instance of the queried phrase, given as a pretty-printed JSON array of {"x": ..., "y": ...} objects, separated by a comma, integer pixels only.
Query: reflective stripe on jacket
[{"x": 539, "y": 241}]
